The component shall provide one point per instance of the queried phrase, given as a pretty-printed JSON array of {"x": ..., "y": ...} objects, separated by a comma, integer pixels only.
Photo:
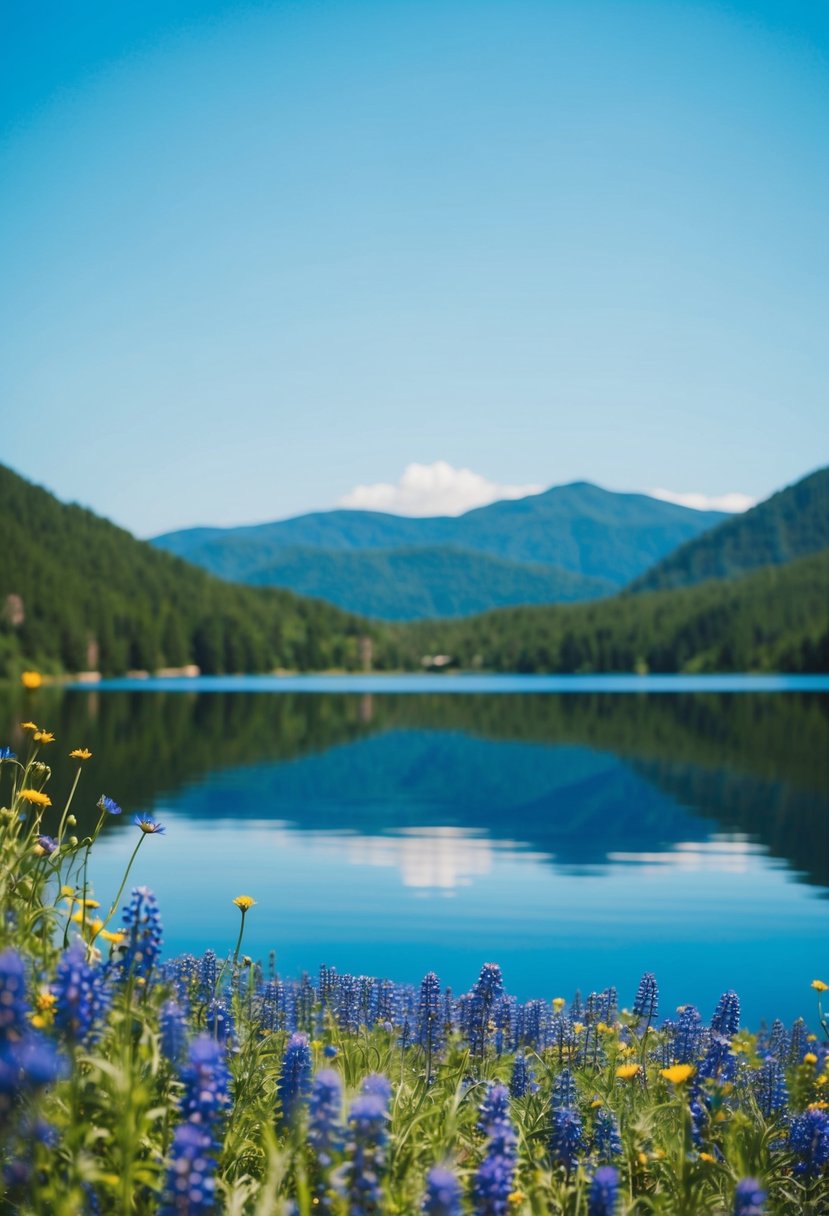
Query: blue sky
[{"x": 257, "y": 255}]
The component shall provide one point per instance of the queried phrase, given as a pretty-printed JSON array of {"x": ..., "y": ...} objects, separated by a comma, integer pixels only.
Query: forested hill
[
  {"x": 774, "y": 619},
  {"x": 792, "y": 523},
  {"x": 78, "y": 592}
]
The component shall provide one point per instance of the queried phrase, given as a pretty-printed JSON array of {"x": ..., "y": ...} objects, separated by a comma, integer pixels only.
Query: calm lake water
[{"x": 576, "y": 831}]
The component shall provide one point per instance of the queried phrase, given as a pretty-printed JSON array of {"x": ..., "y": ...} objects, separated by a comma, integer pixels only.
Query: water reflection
[{"x": 578, "y": 840}]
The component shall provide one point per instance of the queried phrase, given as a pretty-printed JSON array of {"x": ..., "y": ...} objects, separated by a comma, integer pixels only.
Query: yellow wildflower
[
  {"x": 517, "y": 1197},
  {"x": 80, "y": 753},
  {"x": 559, "y": 1002},
  {"x": 37, "y": 797},
  {"x": 643, "y": 1158},
  {"x": 819, "y": 986},
  {"x": 45, "y": 1001},
  {"x": 818, "y": 1106},
  {"x": 707, "y": 1157},
  {"x": 44, "y": 736},
  {"x": 244, "y": 902},
  {"x": 116, "y": 936},
  {"x": 578, "y": 1027},
  {"x": 810, "y": 1058},
  {"x": 596, "y": 1102},
  {"x": 29, "y": 726},
  {"x": 31, "y": 679},
  {"x": 822, "y": 1079},
  {"x": 627, "y": 1071},
  {"x": 678, "y": 1074}
]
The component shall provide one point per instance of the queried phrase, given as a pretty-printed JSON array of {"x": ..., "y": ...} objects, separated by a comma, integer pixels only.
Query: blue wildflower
[
  {"x": 566, "y": 1137},
  {"x": 81, "y": 995},
  {"x": 14, "y": 1007},
  {"x": 720, "y": 1063},
  {"x": 190, "y": 1185},
  {"x": 206, "y": 1082},
  {"x": 366, "y": 1154},
  {"x": 208, "y": 975},
  {"x": 749, "y": 1198},
  {"x": 564, "y": 1089},
  {"x": 46, "y": 846},
  {"x": 809, "y": 1140},
  {"x": 603, "y": 1197},
  {"x": 108, "y": 805},
  {"x": 523, "y": 1078},
  {"x": 149, "y": 825},
  {"x": 219, "y": 1021},
  {"x": 429, "y": 1019},
  {"x": 6, "y": 753},
  {"x": 798, "y": 1041},
  {"x": 646, "y": 1004},
  {"x": 377, "y": 1086},
  {"x": 443, "y": 1193},
  {"x": 770, "y": 1088},
  {"x": 726, "y": 1019},
  {"x": 607, "y": 1141},
  {"x": 173, "y": 1028},
  {"x": 294, "y": 1083},
  {"x": 493, "y": 1182},
  {"x": 487, "y": 989},
  {"x": 325, "y": 1112},
  {"x": 142, "y": 945},
  {"x": 688, "y": 1035}
]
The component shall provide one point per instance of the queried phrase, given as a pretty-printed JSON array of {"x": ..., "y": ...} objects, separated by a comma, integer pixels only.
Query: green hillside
[
  {"x": 90, "y": 594},
  {"x": 408, "y": 584},
  {"x": 590, "y": 540},
  {"x": 774, "y": 619},
  {"x": 792, "y": 523}
]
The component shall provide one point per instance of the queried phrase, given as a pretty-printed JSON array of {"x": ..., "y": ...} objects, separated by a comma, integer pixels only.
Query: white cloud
[
  {"x": 733, "y": 502},
  {"x": 433, "y": 489}
]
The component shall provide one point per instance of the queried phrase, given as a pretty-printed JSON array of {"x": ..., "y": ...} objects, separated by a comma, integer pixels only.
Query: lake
[{"x": 577, "y": 831}]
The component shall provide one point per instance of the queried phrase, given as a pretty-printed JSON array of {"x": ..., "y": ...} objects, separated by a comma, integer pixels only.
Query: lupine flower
[
  {"x": 798, "y": 1041},
  {"x": 726, "y": 1019},
  {"x": 295, "y": 1076},
  {"x": 219, "y": 1021},
  {"x": 607, "y": 1141},
  {"x": 173, "y": 1028},
  {"x": 749, "y": 1198},
  {"x": 603, "y": 1197},
  {"x": 377, "y": 1086},
  {"x": 206, "y": 1082},
  {"x": 443, "y": 1193},
  {"x": 488, "y": 988},
  {"x": 27, "y": 1062},
  {"x": 325, "y": 1111},
  {"x": 147, "y": 824},
  {"x": 493, "y": 1181},
  {"x": 14, "y": 1007},
  {"x": 687, "y": 1035},
  {"x": 208, "y": 973},
  {"x": 190, "y": 1185},
  {"x": 523, "y": 1079},
  {"x": 142, "y": 944},
  {"x": 770, "y": 1088},
  {"x": 646, "y": 1004},
  {"x": 719, "y": 1063},
  {"x": 809, "y": 1140},
  {"x": 564, "y": 1089},
  {"x": 429, "y": 1031},
  {"x": 366, "y": 1165},
  {"x": 106, "y": 804},
  {"x": 81, "y": 996},
  {"x": 566, "y": 1137}
]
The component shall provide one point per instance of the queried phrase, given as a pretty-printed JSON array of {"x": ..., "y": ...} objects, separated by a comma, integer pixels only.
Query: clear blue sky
[{"x": 255, "y": 254}]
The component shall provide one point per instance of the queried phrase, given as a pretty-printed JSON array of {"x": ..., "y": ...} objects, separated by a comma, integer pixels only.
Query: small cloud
[
  {"x": 734, "y": 502},
  {"x": 433, "y": 489}
]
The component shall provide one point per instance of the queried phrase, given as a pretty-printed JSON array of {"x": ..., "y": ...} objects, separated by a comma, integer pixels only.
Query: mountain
[
  {"x": 773, "y": 619},
  {"x": 407, "y": 584},
  {"x": 792, "y": 523},
  {"x": 598, "y": 538},
  {"x": 77, "y": 592}
]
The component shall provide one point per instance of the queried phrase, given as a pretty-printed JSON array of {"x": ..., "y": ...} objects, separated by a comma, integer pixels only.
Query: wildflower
[
  {"x": 36, "y": 797},
  {"x": 566, "y": 1138},
  {"x": 559, "y": 1002},
  {"x": 749, "y": 1198},
  {"x": 429, "y": 1024},
  {"x": 81, "y": 997},
  {"x": 80, "y": 753},
  {"x": 602, "y": 1199},
  {"x": 45, "y": 846},
  {"x": 31, "y": 679},
  {"x": 366, "y": 1165},
  {"x": 810, "y": 1058},
  {"x": 819, "y": 986},
  {"x": 44, "y": 736},
  {"x": 325, "y": 1110},
  {"x": 244, "y": 902},
  {"x": 678, "y": 1074},
  {"x": 607, "y": 1140},
  {"x": 626, "y": 1072},
  {"x": 522, "y": 1077},
  {"x": 809, "y": 1140},
  {"x": 190, "y": 1185},
  {"x": 6, "y": 753},
  {"x": 115, "y": 937},
  {"x": 708, "y": 1159},
  {"x": 142, "y": 925},
  {"x": 173, "y": 1032},
  {"x": 443, "y": 1193},
  {"x": 647, "y": 997},
  {"x": 14, "y": 1007},
  {"x": 493, "y": 1182},
  {"x": 295, "y": 1076},
  {"x": 377, "y": 1086},
  {"x": 726, "y": 1019},
  {"x": 29, "y": 726},
  {"x": 147, "y": 824},
  {"x": 564, "y": 1089},
  {"x": 108, "y": 805},
  {"x": 206, "y": 1082},
  {"x": 770, "y": 1091}
]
